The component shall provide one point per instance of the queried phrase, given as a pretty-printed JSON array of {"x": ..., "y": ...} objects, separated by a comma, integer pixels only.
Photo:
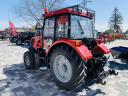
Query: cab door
[{"x": 48, "y": 33}]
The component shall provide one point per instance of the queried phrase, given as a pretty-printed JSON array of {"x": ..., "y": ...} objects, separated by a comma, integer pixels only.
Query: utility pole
[{"x": 85, "y": 2}]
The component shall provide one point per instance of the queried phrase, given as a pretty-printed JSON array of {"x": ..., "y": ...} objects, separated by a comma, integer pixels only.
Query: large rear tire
[{"x": 67, "y": 68}]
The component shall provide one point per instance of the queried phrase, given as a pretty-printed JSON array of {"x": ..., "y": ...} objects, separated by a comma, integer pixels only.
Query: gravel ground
[{"x": 16, "y": 81}]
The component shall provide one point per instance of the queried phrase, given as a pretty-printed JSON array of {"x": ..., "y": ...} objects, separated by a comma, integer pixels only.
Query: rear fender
[
  {"x": 79, "y": 48},
  {"x": 102, "y": 48}
]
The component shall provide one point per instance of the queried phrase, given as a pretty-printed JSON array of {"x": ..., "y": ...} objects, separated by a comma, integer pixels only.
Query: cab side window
[
  {"x": 49, "y": 28},
  {"x": 62, "y": 27}
]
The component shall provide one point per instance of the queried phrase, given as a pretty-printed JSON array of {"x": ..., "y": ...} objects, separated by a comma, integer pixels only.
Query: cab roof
[{"x": 75, "y": 10}]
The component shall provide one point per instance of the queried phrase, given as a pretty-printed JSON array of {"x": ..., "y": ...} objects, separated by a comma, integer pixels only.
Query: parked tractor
[
  {"x": 66, "y": 45},
  {"x": 23, "y": 37}
]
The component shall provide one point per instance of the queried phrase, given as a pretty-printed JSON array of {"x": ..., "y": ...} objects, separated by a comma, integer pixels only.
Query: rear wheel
[
  {"x": 13, "y": 40},
  {"x": 19, "y": 42},
  {"x": 67, "y": 68}
]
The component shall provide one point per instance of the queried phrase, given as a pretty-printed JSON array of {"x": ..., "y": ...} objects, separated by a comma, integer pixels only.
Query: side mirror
[{"x": 39, "y": 26}]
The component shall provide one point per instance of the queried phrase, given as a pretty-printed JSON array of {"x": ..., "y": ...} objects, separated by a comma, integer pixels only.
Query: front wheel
[
  {"x": 67, "y": 69},
  {"x": 28, "y": 60},
  {"x": 31, "y": 60}
]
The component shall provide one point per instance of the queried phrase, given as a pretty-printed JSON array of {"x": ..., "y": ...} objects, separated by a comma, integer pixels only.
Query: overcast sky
[{"x": 103, "y": 10}]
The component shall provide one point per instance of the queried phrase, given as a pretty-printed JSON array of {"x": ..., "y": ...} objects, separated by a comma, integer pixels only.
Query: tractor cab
[
  {"x": 66, "y": 45},
  {"x": 74, "y": 23}
]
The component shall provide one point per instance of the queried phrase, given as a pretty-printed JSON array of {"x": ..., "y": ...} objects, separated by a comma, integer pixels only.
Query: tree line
[{"x": 115, "y": 22}]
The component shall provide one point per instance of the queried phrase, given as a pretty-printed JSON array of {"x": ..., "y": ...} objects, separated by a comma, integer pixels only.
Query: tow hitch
[{"x": 100, "y": 78}]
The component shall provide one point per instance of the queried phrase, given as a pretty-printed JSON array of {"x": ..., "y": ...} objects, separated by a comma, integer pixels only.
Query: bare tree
[
  {"x": 31, "y": 10},
  {"x": 115, "y": 21}
]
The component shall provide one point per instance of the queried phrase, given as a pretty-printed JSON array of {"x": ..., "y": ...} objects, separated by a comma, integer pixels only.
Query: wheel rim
[
  {"x": 62, "y": 68},
  {"x": 18, "y": 42},
  {"x": 27, "y": 60}
]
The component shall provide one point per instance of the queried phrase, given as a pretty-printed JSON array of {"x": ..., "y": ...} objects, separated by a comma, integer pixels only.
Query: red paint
[
  {"x": 66, "y": 11},
  {"x": 13, "y": 29},
  {"x": 81, "y": 49},
  {"x": 46, "y": 10},
  {"x": 37, "y": 42},
  {"x": 99, "y": 41},
  {"x": 62, "y": 20},
  {"x": 102, "y": 48},
  {"x": 84, "y": 52}
]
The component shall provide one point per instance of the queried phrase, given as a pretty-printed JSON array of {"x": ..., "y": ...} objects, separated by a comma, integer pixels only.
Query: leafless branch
[{"x": 31, "y": 10}]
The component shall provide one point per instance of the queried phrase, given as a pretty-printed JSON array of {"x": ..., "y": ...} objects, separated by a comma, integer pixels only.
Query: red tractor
[{"x": 66, "y": 45}]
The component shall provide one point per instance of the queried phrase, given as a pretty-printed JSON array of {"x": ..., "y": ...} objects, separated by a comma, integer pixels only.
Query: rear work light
[{"x": 90, "y": 14}]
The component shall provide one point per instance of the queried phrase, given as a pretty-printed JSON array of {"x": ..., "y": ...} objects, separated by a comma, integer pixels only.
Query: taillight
[
  {"x": 78, "y": 43},
  {"x": 99, "y": 41}
]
